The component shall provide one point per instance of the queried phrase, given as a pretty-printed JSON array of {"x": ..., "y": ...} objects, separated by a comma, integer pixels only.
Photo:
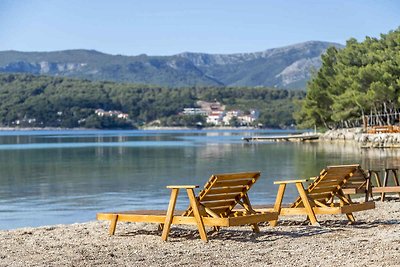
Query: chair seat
[{"x": 159, "y": 216}]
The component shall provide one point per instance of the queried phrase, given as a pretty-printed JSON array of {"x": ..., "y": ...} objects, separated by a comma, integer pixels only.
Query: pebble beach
[{"x": 374, "y": 240}]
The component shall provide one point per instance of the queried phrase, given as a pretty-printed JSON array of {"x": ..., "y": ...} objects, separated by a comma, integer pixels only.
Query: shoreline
[
  {"x": 138, "y": 129},
  {"x": 373, "y": 240}
]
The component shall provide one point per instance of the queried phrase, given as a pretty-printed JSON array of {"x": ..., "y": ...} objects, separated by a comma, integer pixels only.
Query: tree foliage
[
  {"x": 361, "y": 79},
  {"x": 65, "y": 102}
]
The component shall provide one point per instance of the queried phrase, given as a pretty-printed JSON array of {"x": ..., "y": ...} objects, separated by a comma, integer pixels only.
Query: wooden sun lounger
[
  {"x": 212, "y": 207},
  {"x": 382, "y": 187},
  {"x": 325, "y": 195}
]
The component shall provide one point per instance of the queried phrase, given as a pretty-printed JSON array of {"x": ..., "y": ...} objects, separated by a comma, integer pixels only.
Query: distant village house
[
  {"x": 216, "y": 115},
  {"x": 111, "y": 113}
]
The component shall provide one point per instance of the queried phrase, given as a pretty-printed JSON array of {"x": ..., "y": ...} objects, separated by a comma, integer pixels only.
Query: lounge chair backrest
[
  {"x": 357, "y": 181},
  {"x": 223, "y": 192},
  {"x": 330, "y": 181}
]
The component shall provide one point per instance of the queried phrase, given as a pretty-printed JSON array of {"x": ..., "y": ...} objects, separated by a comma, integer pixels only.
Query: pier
[{"x": 283, "y": 138}]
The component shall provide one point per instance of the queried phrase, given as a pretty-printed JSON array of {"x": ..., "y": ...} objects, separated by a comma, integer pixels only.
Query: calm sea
[{"x": 60, "y": 177}]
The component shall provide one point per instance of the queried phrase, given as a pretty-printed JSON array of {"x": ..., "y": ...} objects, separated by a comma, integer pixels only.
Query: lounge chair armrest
[
  {"x": 291, "y": 181},
  {"x": 182, "y": 186}
]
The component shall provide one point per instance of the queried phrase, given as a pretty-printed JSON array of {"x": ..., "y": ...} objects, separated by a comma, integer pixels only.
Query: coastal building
[
  {"x": 194, "y": 111},
  {"x": 249, "y": 118},
  {"x": 215, "y": 117},
  {"x": 230, "y": 115},
  {"x": 209, "y": 107},
  {"x": 111, "y": 113}
]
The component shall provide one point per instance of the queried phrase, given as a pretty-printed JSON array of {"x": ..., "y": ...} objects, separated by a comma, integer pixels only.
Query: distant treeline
[
  {"x": 357, "y": 82},
  {"x": 42, "y": 101}
]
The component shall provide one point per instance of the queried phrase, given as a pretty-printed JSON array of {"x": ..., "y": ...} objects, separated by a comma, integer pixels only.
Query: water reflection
[{"x": 67, "y": 177}]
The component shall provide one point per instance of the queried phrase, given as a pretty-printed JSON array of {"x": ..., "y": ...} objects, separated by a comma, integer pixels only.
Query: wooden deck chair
[
  {"x": 326, "y": 194},
  {"x": 212, "y": 207},
  {"x": 383, "y": 188}
]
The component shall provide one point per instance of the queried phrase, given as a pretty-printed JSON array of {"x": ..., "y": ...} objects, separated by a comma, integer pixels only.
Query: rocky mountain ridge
[{"x": 284, "y": 67}]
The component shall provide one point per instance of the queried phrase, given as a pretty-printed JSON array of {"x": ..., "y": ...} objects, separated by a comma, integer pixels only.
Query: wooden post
[
  {"x": 170, "y": 213},
  {"x": 113, "y": 224},
  {"x": 249, "y": 208},
  {"x": 385, "y": 181},
  {"x": 307, "y": 205},
  {"x": 195, "y": 207},
  {"x": 278, "y": 203},
  {"x": 395, "y": 178},
  {"x": 349, "y": 216}
]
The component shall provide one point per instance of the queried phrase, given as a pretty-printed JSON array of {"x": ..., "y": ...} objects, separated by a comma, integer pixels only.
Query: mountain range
[{"x": 285, "y": 67}]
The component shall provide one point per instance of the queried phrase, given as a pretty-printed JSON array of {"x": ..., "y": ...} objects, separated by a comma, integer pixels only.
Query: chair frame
[
  {"x": 310, "y": 198},
  {"x": 201, "y": 210}
]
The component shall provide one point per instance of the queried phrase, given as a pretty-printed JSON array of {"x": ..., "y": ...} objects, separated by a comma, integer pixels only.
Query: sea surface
[{"x": 62, "y": 177}]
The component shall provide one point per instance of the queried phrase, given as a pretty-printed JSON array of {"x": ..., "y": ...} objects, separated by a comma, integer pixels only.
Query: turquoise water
[{"x": 53, "y": 177}]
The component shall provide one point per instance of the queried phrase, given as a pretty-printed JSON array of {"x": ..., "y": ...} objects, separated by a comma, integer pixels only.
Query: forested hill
[
  {"x": 39, "y": 101},
  {"x": 285, "y": 67}
]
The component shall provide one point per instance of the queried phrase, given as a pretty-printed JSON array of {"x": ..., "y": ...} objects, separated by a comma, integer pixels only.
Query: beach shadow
[
  {"x": 285, "y": 228},
  {"x": 178, "y": 234},
  {"x": 245, "y": 235}
]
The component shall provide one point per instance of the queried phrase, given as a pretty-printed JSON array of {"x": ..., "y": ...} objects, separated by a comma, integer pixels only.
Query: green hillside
[{"x": 39, "y": 101}]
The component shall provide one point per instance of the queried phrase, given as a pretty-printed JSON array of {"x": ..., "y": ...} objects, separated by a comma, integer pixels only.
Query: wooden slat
[
  {"x": 234, "y": 176},
  {"x": 358, "y": 207},
  {"x": 181, "y": 186},
  {"x": 236, "y": 189},
  {"x": 208, "y": 221},
  {"x": 330, "y": 210},
  {"x": 354, "y": 191},
  {"x": 326, "y": 184},
  {"x": 250, "y": 219},
  {"x": 352, "y": 182},
  {"x": 335, "y": 176},
  {"x": 322, "y": 190},
  {"x": 210, "y": 197},
  {"x": 386, "y": 189},
  {"x": 214, "y": 204},
  {"x": 291, "y": 181},
  {"x": 241, "y": 182},
  {"x": 132, "y": 217},
  {"x": 352, "y": 166},
  {"x": 319, "y": 196},
  {"x": 221, "y": 210}
]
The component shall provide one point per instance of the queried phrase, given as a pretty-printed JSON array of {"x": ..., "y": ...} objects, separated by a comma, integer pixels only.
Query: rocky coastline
[{"x": 365, "y": 140}]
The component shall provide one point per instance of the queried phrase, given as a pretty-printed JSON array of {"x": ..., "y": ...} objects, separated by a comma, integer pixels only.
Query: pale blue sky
[{"x": 165, "y": 27}]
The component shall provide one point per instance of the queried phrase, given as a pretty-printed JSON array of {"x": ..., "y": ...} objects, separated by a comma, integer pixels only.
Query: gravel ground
[{"x": 374, "y": 241}]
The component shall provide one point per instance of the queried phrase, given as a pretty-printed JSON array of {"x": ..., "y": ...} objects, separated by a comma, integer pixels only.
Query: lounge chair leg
[
  {"x": 216, "y": 228},
  {"x": 307, "y": 205},
  {"x": 396, "y": 179},
  {"x": 351, "y": 218},
  {"x": 113, "y": 224},
  {"x": 170, "y": 213},
  {"x": 385, "y": 182},
  {"x": 278, "y": 203},
  {"x": 196, "y": 213},
  {"x": 255, "y": 228}
]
